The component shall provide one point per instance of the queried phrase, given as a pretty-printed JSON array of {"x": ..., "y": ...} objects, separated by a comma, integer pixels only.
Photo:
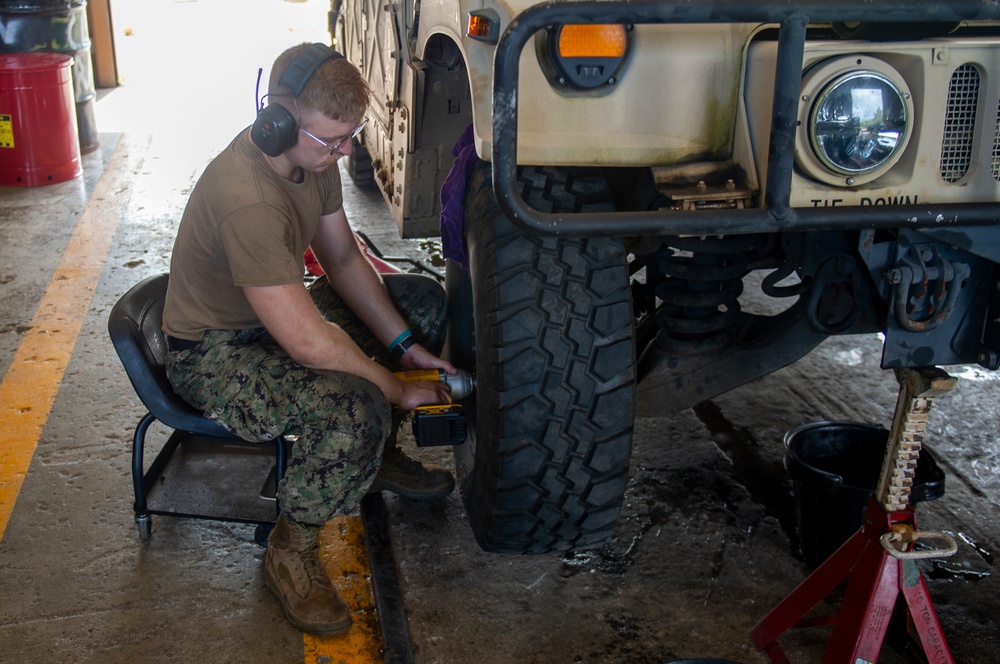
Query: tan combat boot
[
  {"x": 293, "y": 572},
  {"x": 411, "y": 478}
]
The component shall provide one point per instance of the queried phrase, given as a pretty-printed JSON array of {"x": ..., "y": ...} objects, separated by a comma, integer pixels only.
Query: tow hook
[{"x": 938, "y": 283}]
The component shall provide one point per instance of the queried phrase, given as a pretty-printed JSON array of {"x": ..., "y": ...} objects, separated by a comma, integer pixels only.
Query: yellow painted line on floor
[
  {"x": 32, "y": 381},
  {"x": 344, "y": 554}
]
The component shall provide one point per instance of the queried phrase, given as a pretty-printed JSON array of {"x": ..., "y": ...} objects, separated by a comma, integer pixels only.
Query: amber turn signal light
[
  {"x": 592, "y": 41},
  {"x": 484, "y": 25}
]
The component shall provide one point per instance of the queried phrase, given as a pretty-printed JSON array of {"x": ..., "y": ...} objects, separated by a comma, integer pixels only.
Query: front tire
[
  {"x": 359, "y": 165},
  {"x": 548, "y": 323}
]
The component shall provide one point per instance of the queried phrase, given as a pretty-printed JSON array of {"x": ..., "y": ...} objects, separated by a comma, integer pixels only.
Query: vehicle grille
[{"x": 960, "y": 124}]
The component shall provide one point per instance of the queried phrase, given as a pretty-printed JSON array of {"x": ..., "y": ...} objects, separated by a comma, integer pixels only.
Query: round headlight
[
  {"x": 854, "y": 121},
  {"x": 857, "y": 123}
]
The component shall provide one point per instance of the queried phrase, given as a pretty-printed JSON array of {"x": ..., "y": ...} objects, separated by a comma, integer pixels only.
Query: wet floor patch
[{"x": 766, "y": 481}]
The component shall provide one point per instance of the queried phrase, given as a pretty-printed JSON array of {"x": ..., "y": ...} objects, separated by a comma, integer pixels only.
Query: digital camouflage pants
[{"x": 245, "y": 381}]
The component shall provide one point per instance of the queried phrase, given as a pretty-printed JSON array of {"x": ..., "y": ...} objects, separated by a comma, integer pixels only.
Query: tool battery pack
[{"x": 439, "y": 425}]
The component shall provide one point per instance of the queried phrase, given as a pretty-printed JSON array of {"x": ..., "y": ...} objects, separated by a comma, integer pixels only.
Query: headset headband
[
  {"x": 305, "y": 64},
  {"x": 275, "y": 129}
]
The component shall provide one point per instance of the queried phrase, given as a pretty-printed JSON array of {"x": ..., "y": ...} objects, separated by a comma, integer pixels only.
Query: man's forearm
[
  {"x": 334, "y": 350},
  {"x": 363, "y": 291}
]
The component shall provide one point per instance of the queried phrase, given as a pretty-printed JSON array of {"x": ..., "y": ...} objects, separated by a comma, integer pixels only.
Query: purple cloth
[{"x": 453, "y": 198}]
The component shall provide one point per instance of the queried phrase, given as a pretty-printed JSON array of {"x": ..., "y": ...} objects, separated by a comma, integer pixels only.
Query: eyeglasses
[{"x": 336, "y": 146}]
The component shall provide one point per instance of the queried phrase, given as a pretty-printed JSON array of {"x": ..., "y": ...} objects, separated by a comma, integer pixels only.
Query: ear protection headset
[{"x": 275, "y": 129}]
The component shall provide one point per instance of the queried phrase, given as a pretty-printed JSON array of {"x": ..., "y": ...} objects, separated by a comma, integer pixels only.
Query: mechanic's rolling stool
[
  {"x": 202, "y": 471},
  {"x": 877, "y": 560}
]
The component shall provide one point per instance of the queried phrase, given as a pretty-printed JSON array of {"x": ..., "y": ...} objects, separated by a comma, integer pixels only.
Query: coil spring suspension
[{"x": 700, "y": 309}]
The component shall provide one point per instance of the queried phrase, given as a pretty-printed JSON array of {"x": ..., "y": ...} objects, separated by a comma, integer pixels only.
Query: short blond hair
[{"x": 336, "y": 89}]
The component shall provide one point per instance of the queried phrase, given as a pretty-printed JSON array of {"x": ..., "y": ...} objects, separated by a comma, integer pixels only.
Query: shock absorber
[{"x": 700, "y": 309}]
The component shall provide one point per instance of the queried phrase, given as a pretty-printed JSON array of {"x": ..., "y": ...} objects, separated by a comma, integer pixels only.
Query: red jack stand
[{"x": 876, "y": 561}]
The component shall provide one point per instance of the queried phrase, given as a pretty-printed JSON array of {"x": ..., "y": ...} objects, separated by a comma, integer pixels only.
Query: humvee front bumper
[{"x": 775, "y": 213}]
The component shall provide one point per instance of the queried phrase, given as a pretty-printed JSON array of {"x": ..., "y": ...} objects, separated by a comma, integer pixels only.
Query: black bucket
[
  {"x": 56, "y": 26},
  {"x": 835, "y": 469}
]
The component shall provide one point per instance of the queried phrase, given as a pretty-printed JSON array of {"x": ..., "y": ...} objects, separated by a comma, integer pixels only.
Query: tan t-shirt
[{"x": 244, "y": 225}]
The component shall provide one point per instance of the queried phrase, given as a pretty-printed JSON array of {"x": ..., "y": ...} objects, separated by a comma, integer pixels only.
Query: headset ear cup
[{"x": 275, "y": 130}]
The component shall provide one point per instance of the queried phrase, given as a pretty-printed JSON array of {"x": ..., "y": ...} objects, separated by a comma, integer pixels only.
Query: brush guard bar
[{"x": 777, "y": 214}]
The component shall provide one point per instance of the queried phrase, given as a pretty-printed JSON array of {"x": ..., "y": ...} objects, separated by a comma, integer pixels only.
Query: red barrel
[{"x": 39, "y": 140}]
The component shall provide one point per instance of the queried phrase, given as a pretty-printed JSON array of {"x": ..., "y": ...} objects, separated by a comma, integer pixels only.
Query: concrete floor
[{"x": 706, "y": 545}]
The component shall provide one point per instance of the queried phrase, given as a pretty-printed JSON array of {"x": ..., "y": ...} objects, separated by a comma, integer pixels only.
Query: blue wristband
[
  {"x": 405, "y": 334},
  {"x": 402, "y": 347}
]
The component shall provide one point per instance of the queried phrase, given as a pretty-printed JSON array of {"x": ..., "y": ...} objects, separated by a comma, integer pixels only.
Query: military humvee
[{"x": 624, "y": 168}]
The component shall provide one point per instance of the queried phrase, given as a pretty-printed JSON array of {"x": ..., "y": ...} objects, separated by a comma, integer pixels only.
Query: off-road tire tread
[
  {"x": 556, "y": 371},
  {"x": 359, "y": 165}
]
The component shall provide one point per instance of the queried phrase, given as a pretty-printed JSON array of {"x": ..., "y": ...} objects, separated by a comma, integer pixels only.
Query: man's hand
[
  {"x": 430, "y": 393},
  {"x": 418, "y": 357},
  {"x": 420, "y": 393}
]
